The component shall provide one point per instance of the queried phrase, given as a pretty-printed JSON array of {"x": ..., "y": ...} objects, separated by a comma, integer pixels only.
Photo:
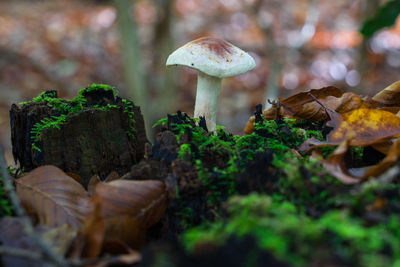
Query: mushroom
[{"x": 214, "y": 59}]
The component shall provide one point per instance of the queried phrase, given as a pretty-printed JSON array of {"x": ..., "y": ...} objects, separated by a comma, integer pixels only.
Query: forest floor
[{"x": 319, "y": 189}]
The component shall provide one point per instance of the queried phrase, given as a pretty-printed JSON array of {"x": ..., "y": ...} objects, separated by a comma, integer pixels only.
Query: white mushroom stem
[{"x": 208, "y": 89}]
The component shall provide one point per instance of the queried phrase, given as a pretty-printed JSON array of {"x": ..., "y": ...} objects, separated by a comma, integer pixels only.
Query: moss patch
[
  {"x": 335, "y": 238},
  {"x": 259, "y": 186},
  {"x": 65, "y": 108}
]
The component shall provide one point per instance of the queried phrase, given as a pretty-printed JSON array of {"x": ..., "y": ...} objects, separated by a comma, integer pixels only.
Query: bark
[{"x": 89, "y": 142}]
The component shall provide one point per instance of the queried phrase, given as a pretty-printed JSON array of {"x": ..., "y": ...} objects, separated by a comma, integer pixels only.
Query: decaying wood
[{"x": 91, "y": 142}]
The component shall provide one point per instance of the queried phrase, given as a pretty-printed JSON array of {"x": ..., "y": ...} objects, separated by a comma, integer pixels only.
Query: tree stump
[{"x": 95, "y": 133}]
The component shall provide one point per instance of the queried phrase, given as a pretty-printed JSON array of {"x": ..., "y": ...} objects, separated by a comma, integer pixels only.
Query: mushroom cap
[{"x": 212, "y": 56}]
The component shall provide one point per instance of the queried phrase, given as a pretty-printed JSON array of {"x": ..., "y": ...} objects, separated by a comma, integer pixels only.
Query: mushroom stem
[{"x": 208, "y": 89}]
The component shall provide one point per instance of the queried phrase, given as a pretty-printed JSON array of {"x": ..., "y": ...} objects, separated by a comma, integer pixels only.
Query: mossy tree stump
[{"x": 95, "y": 133}]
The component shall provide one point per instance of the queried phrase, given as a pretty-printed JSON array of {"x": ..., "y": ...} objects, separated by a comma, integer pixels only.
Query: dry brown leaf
[
  {"x": 383, "y": 147},
  {"x": 112, "y": 177},
  {"x": 322, "y": 109},
  {"x": 89, "y": 241},
  {"x": 311, "y": 144},
  {"x": 94, "y": 180},
  {"x": 364, "y": 127},
  {"x": 125, "y": 228},
  {"x": 308, "y": 105},
  {"x": 74, "y": 176},
  {"x": 249, "y": 127},
  {"x": 53, "y": 197},
  {"x": 315, "y": 105},
  {"x": 369, "y": 127},
  {"x": 296, "y": 101},
  {"x": 303, "y": 106},
  {"x": 346, "y": 103},
  {"x": 390, "y": 159},
  {"x": 390, "y": 95},
  {"x": 335, "y": 164},
  {"x": 130, "y": 207}
]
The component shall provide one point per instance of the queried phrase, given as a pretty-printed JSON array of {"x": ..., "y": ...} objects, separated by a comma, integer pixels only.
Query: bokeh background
[{"x": 297, "y": 45}]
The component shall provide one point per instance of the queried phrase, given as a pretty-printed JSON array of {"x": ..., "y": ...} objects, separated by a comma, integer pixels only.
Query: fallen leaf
[
  {"x": 94, "y": 180},
  {"x": 383, "y": 147},
  {"x": 390, "y": 95},
  {"x": 89, "y": 240},
  {"x": 126, "y": 228},
  {"x": 369, "y": 127},
  {"x": 74, "y": 176},
  {"x": 53, "y": 197},
  {"x": 316, "y": 105},
  {"x": 335, "y": 164},
  {"x": 249, "y": 127},
  {"x": 308, "y": 105},
  {"x": 296, "y": 101},
  {"x": 311, "y": 144},
  {"x": 112, "y": 177},
  {"x": 130, "y": 207},
  {"x": 346, "y": 103},
  {"x": 390, "y": 159}
]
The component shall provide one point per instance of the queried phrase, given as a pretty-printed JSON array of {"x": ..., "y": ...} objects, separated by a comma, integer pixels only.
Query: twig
[
  {"x": 45, "y": 249},
  {"x": 20, "y": 253}
]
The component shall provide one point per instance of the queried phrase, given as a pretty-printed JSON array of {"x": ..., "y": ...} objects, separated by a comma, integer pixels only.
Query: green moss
[
  {"x": 161, "y": 122},
  {"x": 65, "y": 108},
  {"x": 220, "y": 158},
  {"x": 184, "y": 152},
  {"x": 96, "y": 87},
  {"x": 299, "y": 240},
  {"x": 128, "y": 109}
]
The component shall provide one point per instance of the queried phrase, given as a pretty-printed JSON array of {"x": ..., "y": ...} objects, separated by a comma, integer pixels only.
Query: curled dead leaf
[
  {"x": 130, "y": 207},
  {"x": 249, "y": 127},
  {"x": 94, "y": 180},
  {"x": 391, "y": 158},
  {"x": 335, "y": 164},
  {"x": 89, "y": 240},
  {"x": 315, "y": 105},
  {"x": 308, "y": 105},
  {"x": 390, "y": 95},
  {"x": 53, "y": 197}
]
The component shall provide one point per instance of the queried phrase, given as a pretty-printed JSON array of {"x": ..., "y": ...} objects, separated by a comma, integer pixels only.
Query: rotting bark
[{"x": 92, "y": 141}]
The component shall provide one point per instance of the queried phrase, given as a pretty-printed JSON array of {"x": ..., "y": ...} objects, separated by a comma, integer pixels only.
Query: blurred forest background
[{"x": 297, "y": 45}]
